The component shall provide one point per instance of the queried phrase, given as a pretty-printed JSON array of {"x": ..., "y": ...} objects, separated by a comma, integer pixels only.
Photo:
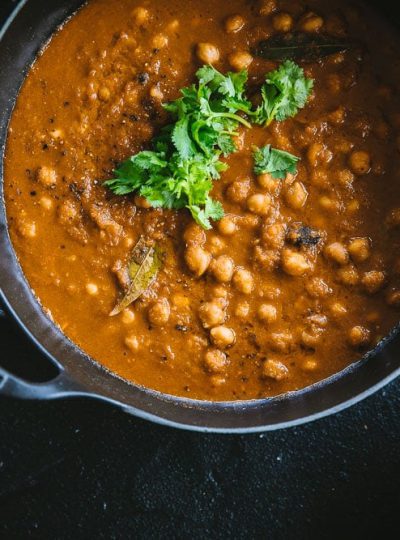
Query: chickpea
[
  {"x": 128, "y": 242},
  {"x": 267, "y": 7},
  {"x": 211, "y": 314},
  {"x": 240, "y": 60},
  {"x": 140, "y": 15},
  {"x": 27, "y": 229},
  {"x": 296, "y": 196},
  {"x": 217, "y": 380},
  {"x": 309, "y": 365},
  {"x": 216, "y": 245},
  {"x": 58, "y": 134},
  {"x": 159, "y": 312},
  {"x": 222, "y": 268},
  {"x": 259, "y": 204},
  {"x": 393, "y": 298},
  {"x": 234, "y": 23},
  {"x": 243, "y": 281},
  {"x": 318, "y": 288},
  {"x": 338, "y": 117},
  {"x": 320, "y": 178},
  {"x": 373, "y": 281},
  {"x": 68, "y": 211},
  {"x": 222, "y": 336},
  {"x": 156, "y": 93},
  {"x": 267, "y": 259},
  {"x": 348, "y": 275},
  {"x": 353, "y": 206},
  {"x": 207, "y": 53},
  {"x": 227, "y": 226},
  {"x": 173, "y": 26},
  {"x": 272, "y": 185},
  {"x": 215, "y": 361},
  {"x": 92, "y": 289},
  {"x": 294, "y": 263},
  {"x": 273, "y": 369},
  {"x": 281, "y": 341},
  {"x": 329, "y": 204},
  {"x": 237, "y": 191},
  {"x": 160, "y": 41},
  {"x": 282, "y": 22},
  {"x": 311, "y": 339},
  {"x": 219, "y": 292},
  {"x": 267, "y": 313},
  {"x": 194, "y": 234},
  {"x": 318, "y": 154},
  {"x": 141, "y": 202},
  {"x": 337, "y": 252},
  {"x": 311, "y": 23},
  {"x": 46, "y": 176},
  {"x": 46, "y": 203},
  {"x": 338, "y": 310},
  {"x": 360, "y": 162},
  {"x": 127, "y": 316},
  {"x": 197, "y": 259},
  {"x": 242, "y": 310},
  {"x": 359, "y": 249},
  {"x": 318, "y": 320},
  {"x": 132, "y": 343},
  {"x": 250, "y": 220},
  {"x": 359, "y": 336},
  {"x": 345, "y": 178},
  {"x": 274, "y": 235},
  {"x": 104, "y": 94}
]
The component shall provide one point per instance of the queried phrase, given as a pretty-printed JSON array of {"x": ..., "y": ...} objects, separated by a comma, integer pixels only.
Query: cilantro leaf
[
  {"x": 212, "y": 210},
  {"x": 182, "y": 139},
  {"x": 285, "y": 91},
  {"x": 277, "y": 163}
]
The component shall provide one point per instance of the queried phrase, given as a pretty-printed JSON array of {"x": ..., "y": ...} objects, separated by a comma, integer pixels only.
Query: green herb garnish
[
  {"x": 277, "y": 163},
  {"x": 284, "y": 92},
  {"x": 186, "y": 157}
]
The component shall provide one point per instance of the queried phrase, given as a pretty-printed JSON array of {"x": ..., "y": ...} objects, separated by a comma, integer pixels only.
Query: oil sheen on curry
[{"x": 301, "y": 275}]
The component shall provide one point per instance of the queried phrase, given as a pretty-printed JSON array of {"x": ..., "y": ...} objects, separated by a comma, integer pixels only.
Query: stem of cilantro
[{"x": 232, "y": 116}]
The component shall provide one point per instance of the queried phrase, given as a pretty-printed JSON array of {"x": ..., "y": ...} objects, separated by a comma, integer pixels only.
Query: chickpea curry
[{"x": 205, "y": 197}]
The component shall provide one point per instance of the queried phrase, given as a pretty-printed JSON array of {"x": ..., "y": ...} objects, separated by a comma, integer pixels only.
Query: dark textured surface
[{"x": 80, "y": 469}]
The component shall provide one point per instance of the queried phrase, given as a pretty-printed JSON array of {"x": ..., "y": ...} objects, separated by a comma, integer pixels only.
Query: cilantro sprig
[
  {"x": 185, "y": 159},
  {"x": 285, "y": 91},
  {"x": 277, "y": 163}
]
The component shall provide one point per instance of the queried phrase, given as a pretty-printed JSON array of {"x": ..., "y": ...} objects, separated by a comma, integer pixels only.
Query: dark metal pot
[{"x": 28, "y": 28}]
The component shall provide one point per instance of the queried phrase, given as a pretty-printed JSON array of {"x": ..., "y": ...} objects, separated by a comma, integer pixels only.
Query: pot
[{"x": 29, "y": 27}]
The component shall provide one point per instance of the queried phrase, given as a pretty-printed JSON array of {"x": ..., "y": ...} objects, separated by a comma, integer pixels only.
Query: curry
[{"x": 295, "y": 276}]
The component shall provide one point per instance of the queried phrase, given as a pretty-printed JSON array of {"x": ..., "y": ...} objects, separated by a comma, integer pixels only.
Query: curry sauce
[{"x": 299, "y": 278}]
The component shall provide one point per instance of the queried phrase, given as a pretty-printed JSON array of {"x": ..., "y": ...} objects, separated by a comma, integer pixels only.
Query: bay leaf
[
  {"x": 143, "y": 269},
  {"x": 138, "y": 255},
  {"x": 300, "y": 46}
]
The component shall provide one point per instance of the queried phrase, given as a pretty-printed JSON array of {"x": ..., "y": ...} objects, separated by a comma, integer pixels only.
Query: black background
[{"x": 81, "y": 469}]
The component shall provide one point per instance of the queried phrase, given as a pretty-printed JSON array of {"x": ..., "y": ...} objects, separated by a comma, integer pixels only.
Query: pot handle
[
  {"x": 60, "y": 387},
  {"x": 13, "y": 386}
]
